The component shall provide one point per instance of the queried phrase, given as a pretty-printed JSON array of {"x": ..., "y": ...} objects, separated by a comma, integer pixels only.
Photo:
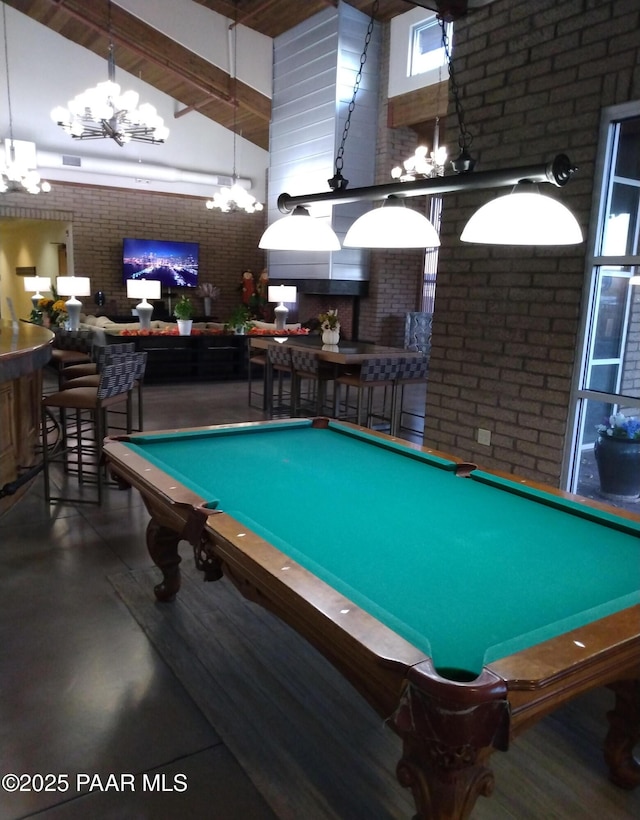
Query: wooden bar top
[{"x": 24, "y": 347}]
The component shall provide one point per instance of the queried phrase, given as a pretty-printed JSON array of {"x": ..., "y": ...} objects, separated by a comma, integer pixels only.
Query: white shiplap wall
[{"x": 315, "y": 65}]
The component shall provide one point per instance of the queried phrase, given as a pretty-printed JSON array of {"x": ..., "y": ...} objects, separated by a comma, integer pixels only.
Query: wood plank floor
[{"x": 314, "y": 748}]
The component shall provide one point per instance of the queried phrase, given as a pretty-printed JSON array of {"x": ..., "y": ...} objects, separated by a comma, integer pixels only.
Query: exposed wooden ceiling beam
[
  {"x": 163, "y": 63},
  {"x": 194, "y": 82}
]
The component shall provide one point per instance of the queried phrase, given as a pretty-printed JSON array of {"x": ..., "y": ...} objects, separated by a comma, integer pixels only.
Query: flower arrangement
[
  {"x": 54, "y": 309},
  {"x": 621, "y": 426},
  {"x": 183, "y": 308},
  {"x": 329, "y": 320},
  {"x": 208, "y": 291}
]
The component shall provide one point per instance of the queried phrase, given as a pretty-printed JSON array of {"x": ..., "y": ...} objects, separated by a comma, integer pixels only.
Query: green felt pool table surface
[{"x": 467, "y": 569}]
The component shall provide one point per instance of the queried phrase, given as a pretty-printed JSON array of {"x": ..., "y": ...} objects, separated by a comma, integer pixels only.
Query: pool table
[{"x": 463, "y": 604}]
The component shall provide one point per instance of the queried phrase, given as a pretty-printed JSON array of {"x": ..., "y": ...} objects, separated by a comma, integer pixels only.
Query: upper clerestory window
[{"x": 426, "y": 52}]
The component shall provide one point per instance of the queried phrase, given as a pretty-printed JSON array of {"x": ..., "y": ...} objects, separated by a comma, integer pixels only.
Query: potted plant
[
  {"x": 183, "y": 312},
  {"x": 330, "y": 327},
  {"x": 240, "y": 320},
  {"x": 617, "y": 453}
]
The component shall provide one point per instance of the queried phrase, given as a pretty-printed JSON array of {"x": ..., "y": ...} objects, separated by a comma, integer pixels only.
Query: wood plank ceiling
[{"x": 197, "y": 84}]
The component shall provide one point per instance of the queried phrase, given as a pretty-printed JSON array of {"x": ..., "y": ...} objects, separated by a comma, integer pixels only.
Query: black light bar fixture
[
  {"x": 558, "y": 172},
  {"x": 550, "y": 222}
]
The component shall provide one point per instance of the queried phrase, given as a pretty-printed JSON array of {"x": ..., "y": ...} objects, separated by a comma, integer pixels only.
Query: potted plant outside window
[
  {"x": 617, "y": 453},
  {"x": 183, "y": 312}
]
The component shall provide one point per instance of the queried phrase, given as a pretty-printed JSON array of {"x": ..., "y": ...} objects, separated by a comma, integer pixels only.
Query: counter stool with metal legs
[
  {"x": 279, "y": 364},
  {"x": 307, "y": 366},
  {"x": 70, "y": 347},
  {"x": 371, "y": 374},
  {"x": 84, "y": 456},
  {"x": 99, "y": 354},
  {"x": 256, "y": 358},
  {"x": 412, "y": 371},
  {"x": 109, "y": 354}
]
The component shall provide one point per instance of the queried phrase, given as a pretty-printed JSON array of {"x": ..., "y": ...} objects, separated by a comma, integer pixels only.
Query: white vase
[
  {"x": 330, "y": 337},
  {"x": 184, "y": 327},
  {"x": 207, "y": 306}
]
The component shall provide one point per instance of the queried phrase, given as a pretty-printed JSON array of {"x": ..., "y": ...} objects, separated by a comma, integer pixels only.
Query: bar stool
[
  {"x": 70, "y": 347},
  {"x": 279, "y": 362},
  {"x": 99, "y": 353},
  {"x": 256, "y": 359},
  {"x": 115, "y": 385},
  {"x": 417, "y": 331},
  {"x": 373, "y": 373},
  {"x": 307, "y": 365},
  {"x": 108, "y": 354},
  {"x": 411, "y": 371}
]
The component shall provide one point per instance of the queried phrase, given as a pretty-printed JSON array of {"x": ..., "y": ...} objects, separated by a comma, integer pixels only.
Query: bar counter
[{"x": 24, "y": 350}]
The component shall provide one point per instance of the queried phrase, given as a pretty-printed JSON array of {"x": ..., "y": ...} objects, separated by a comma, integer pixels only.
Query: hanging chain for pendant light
[
  {"x": 234, "y": 96},
  {"x": 338, "y": 182},
  {"x": 424, "y": 163},
  {"x": 464, "y": 161},
  {"x": 235, "y": 198}
]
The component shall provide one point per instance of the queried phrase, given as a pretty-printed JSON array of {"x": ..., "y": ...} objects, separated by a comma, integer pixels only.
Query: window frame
[
  {"x": 595, "y": 267},
  {"x": 414, "y": 36}
]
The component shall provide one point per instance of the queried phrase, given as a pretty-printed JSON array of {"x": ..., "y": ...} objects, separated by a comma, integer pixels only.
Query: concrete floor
[{"x": 81, "y": 689}]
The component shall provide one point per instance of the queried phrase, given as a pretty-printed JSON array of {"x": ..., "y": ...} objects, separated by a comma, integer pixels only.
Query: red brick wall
[
  {"x": 534, "y": 79},
  {"x": 102, "y": 217}
]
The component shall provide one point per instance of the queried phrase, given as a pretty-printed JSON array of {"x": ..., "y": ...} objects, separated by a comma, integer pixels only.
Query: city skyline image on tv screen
[{"x": 174, "y": 264}]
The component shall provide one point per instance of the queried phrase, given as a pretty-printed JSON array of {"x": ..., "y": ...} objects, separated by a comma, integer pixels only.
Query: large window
[{"x": 609, "y": 379}]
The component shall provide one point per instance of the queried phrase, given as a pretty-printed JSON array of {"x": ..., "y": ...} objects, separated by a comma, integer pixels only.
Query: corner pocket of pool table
[
  {"x": 464, "y": 469},
  {"x": 454, "y": 713},
  {"x": 448, "y": 730}
]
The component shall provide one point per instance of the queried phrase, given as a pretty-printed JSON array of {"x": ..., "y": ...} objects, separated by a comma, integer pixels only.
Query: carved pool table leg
[
  {"x": 449, "y": 731},
  {"x": 444, "y": 783},
  {"x": 206, "y": 560},
  {"x": 162, "y": 544},
  {"x": 623, "y": 734}
]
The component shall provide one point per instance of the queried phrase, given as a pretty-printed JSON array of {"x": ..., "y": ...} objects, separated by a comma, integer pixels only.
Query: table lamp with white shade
[
  {"x": 143, "y": 289},
  {"x": 35, "y": 284},
  {"x": 73, "y": 286},
  {"x": 281, "y": 294}
]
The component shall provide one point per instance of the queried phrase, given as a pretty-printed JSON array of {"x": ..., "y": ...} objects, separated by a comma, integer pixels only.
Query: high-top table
[
  {"x": 344, "y": 353},
  {"x": 25, "y": 349}
]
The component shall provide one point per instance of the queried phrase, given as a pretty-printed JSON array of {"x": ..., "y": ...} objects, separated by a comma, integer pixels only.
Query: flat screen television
[{"x": 174, "y": 264}]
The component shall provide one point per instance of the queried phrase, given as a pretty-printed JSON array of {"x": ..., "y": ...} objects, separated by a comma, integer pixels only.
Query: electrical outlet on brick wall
[{"x": 484, "y": 436}]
